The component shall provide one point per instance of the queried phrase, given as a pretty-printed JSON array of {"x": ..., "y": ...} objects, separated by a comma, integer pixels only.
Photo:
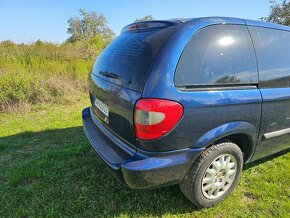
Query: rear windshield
[{"x": 127, "y": 60}]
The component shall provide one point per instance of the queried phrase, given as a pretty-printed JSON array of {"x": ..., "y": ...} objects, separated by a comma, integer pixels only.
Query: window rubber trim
[{"x": 217, "y": 87}]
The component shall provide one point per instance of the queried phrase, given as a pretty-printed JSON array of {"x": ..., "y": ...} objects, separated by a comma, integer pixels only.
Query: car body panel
[
  {"x": 120, "y": 101},
  {"x": 266, "y": 25},
  {"x": 199, "y": 105},
  {"x": 275, "y": 117},
  {"x": 210, "y": 113},
  {"x": 201, "y": 110},
  {"x": 139, "y": 170}
]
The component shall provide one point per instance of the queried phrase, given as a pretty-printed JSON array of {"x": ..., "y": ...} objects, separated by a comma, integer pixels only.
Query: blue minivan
[{"x": 190, "y": 101}]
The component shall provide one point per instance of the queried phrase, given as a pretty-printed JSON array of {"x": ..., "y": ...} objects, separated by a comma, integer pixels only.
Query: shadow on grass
[{"x": 57, "y": 173}]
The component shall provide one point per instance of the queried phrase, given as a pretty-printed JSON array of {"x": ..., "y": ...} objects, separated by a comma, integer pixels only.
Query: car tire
[{"x": 214, "y": 175}]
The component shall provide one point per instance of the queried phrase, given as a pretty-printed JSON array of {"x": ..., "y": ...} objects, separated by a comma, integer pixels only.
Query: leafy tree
[
  {"x": 280, "y": 13},
  {"x": 90, "y": 33},
  {"x": 146, "y": 18},
  {"x": 89, "y": 25}
]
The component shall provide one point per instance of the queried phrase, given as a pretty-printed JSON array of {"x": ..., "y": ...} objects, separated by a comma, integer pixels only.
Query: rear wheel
[{"x": 214, "y": 175}]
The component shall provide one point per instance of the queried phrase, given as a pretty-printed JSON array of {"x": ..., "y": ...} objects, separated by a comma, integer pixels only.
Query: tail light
[{"x": 153, "y": 118}]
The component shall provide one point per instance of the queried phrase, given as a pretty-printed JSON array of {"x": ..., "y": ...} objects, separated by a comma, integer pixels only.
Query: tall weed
[{"x": 41, "y": 72}]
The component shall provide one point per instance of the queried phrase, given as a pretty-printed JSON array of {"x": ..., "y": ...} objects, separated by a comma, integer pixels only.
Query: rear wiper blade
[
  {"x": 113, "y": 76},
  {"x": 109, "y": 74}
]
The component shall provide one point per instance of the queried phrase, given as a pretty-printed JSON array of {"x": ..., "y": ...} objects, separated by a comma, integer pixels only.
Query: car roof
[
  {"x": 205, "y": 21},
  {"x": 233, "y": 20}
]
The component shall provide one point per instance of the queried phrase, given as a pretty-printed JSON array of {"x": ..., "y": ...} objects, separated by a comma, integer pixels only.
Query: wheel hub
[{"x": 219, "y": 176}]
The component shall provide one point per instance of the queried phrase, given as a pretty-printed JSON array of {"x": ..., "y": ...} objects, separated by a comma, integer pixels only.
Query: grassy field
[
  {"x": 48, "y": 169},
  {"x": 40, "y": 72}
]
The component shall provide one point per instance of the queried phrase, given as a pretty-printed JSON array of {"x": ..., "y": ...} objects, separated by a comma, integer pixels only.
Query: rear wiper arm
[
  {"x": 113, "y": 76},
  {"x": 109, "y": 74}
]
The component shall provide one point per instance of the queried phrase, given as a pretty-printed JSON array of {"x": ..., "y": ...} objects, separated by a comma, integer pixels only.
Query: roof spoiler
[{"x": 144, "y": 25}]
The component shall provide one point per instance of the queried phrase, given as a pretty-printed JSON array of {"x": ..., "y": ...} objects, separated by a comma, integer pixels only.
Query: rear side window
[
  {"x": 127, "y": 60},
  {"x": 218, "y": 55},
  {"x": 273, "y": 54}
]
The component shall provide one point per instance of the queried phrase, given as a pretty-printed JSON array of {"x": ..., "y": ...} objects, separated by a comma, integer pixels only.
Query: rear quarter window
[
  {"x": 218, "y": 55},
  {"x": 273, "y": 54}
]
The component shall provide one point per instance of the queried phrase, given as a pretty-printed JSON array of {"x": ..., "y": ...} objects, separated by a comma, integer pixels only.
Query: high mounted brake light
[
  {"x": 147, "y": 25},
  {"x": 154, "y": 118},
  {"x": 133, "y": 27}
]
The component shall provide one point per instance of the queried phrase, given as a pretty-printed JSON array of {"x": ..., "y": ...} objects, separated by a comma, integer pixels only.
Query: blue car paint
[
  {"x": 154, "y": 169},
  {"x": 139, "y": 169},
  {"x": 197, "y": 104},
  {"x": 266, "y": 24},
  {"x": 123, "y": 125},
  {"x": 196, "y": 122},
  {"x": 228, "y": 129},
  {"x": 162, "y": 71},
  {"x": 276, "y": 116},
  {"x": 167, "y": 160}
]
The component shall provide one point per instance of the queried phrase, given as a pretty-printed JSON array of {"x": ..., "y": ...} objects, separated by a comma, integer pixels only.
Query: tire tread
[{"x": 186, "y": 183}]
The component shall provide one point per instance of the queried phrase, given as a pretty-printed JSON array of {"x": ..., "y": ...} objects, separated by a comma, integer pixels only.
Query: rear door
[
  {"x": 120, "y": 72},
  {"x": 273, "y": 55}
]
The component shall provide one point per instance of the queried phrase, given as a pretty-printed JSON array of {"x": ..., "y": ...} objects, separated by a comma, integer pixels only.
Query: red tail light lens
[{"x": 155, "y": 117}]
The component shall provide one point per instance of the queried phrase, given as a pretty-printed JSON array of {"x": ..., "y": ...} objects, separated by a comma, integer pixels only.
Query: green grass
[{"x": 48, "y": 169}]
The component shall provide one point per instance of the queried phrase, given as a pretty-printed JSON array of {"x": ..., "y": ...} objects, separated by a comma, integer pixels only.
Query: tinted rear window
[
  {"x": 273, "y": 53},
  {"x": 130, "y": 56},
  {"x": 218, "y": 55}
]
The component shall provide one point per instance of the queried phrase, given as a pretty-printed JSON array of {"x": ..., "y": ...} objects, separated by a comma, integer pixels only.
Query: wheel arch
[{"x": 244, "y": 134}]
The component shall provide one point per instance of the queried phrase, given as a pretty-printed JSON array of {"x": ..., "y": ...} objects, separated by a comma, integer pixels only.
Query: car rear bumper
[{"x": 137, "y": 168}]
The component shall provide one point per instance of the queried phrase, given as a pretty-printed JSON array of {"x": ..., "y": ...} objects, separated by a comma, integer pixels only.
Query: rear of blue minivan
[
  {"x": 189, "y": 102},
  {"x": 116, "y": 82},
  {"x": 119, "y": 74}
]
